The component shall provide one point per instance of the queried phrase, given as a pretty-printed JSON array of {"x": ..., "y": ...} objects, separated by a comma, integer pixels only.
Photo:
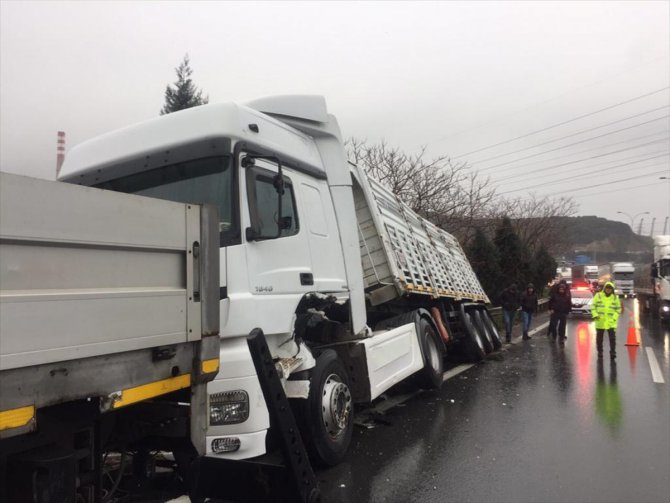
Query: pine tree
[
  {"x": 184, "y": 94},
  {"x": 483, "y": 256}
]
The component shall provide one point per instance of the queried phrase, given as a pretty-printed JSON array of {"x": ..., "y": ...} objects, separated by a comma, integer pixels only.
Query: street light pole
[{"x": 632, "y": 219}]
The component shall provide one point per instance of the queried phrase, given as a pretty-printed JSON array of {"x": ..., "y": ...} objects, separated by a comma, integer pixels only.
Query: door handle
[{"x": 306, "y": 278}]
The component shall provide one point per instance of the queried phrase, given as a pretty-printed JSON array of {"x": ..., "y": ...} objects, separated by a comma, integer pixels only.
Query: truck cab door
[{"x": 277, "y": 248}]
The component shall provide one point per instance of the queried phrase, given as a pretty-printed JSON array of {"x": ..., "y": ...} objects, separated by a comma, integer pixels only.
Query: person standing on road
[
  {"x": 528, "y": 308},
  {"x": 509, "y": 300},
  {"x": 553, "y": 320},
  {"x": 560, "y": 304},
  {"x": 605, "y": 309}
]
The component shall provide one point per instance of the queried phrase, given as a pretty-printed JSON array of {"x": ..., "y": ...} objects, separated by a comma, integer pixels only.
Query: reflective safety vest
[{"x": 606, "y": 310}]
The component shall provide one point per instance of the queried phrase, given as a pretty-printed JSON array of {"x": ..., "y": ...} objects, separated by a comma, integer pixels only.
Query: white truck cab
[
  {"x": 311, "y": 253},
  {"x": 623, "y": 275}
]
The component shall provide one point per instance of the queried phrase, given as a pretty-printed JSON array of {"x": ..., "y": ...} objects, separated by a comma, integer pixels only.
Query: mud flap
[{"x": 284, "y": 477}]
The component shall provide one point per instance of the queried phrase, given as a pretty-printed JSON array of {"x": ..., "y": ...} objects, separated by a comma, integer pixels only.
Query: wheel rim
[{"x": 336, "y": 405}]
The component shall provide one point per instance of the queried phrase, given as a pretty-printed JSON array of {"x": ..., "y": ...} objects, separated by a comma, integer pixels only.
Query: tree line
[{"x": 507, "y": 240}]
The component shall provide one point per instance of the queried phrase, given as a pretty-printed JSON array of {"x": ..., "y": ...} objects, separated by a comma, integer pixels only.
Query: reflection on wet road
[{"x": 535, "y": 423}]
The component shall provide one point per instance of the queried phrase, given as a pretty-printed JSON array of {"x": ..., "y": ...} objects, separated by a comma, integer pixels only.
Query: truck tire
[
  {"x": 430, "y": 377},
  {"x": 473, "y": 340},
  {"x": 483, "y": 330},
  {"x": 326, "y": 418},
  {"x": 493, "y": 331}
]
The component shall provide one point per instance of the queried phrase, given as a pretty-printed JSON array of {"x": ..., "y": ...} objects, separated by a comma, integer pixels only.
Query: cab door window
[{"x": 268, "y": 220}]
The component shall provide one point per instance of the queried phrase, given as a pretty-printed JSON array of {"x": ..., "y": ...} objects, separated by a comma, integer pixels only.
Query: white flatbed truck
[{"x": 109, "y": 329}]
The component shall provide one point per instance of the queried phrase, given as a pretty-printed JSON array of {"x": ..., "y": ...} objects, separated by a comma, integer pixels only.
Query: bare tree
[{"x": 471, "y": 203}]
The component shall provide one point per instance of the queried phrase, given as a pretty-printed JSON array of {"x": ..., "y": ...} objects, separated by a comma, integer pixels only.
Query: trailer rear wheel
[
  {"x": 483, "y": 330},
  {"x": 326, "y": 418},
  {"x": 430, "y": 377},
  {"x": 493, "y": 331},
  {"x": 473, "y": 339}
]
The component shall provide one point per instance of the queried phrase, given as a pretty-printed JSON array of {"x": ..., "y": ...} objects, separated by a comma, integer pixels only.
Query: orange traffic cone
[{"x": 632, "y": 334}]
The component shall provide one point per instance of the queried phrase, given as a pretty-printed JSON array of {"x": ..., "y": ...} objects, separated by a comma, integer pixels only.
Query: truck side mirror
[{"x": 654, "y": 270}]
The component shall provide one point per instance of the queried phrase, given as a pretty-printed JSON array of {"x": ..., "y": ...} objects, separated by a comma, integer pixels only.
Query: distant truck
[
  {"x": 657, "y": 298},
  {"x": 591, "y": 273},
  {"x": 565, "y": 273},
  {"x": 623, "y": 274},
  {"x": 584, "y": 275}
]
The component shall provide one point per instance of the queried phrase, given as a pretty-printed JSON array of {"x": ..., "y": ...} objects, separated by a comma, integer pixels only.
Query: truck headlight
[
  {"x": 228, "y": 407},
  {"x": 666, "y": 309}
]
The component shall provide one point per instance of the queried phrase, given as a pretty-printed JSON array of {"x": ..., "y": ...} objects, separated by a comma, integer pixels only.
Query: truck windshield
[
  {"x": 623, "y": 275},
  {"x": 207, "y": 180}
]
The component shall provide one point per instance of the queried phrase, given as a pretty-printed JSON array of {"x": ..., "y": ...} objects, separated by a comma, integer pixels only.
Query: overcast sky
[{"x": 585, "y": 84}]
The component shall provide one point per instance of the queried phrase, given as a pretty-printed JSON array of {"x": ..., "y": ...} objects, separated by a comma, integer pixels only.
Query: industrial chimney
[{"x": 60, "y": 151}]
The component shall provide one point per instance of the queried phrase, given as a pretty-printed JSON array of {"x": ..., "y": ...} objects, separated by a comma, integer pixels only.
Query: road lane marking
[
  {"x": 530, "y": 332},
  {"x": 540, "y": 327},
  {"x": 656, "y": 374},
  {"x": 456, "y": 370}
]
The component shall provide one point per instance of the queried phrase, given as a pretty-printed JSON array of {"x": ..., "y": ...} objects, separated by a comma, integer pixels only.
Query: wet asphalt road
[{"x": 533, "y": 423}]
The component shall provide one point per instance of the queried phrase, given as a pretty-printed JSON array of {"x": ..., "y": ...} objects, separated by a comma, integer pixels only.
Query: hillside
[{"x": 605, "y": 240}]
